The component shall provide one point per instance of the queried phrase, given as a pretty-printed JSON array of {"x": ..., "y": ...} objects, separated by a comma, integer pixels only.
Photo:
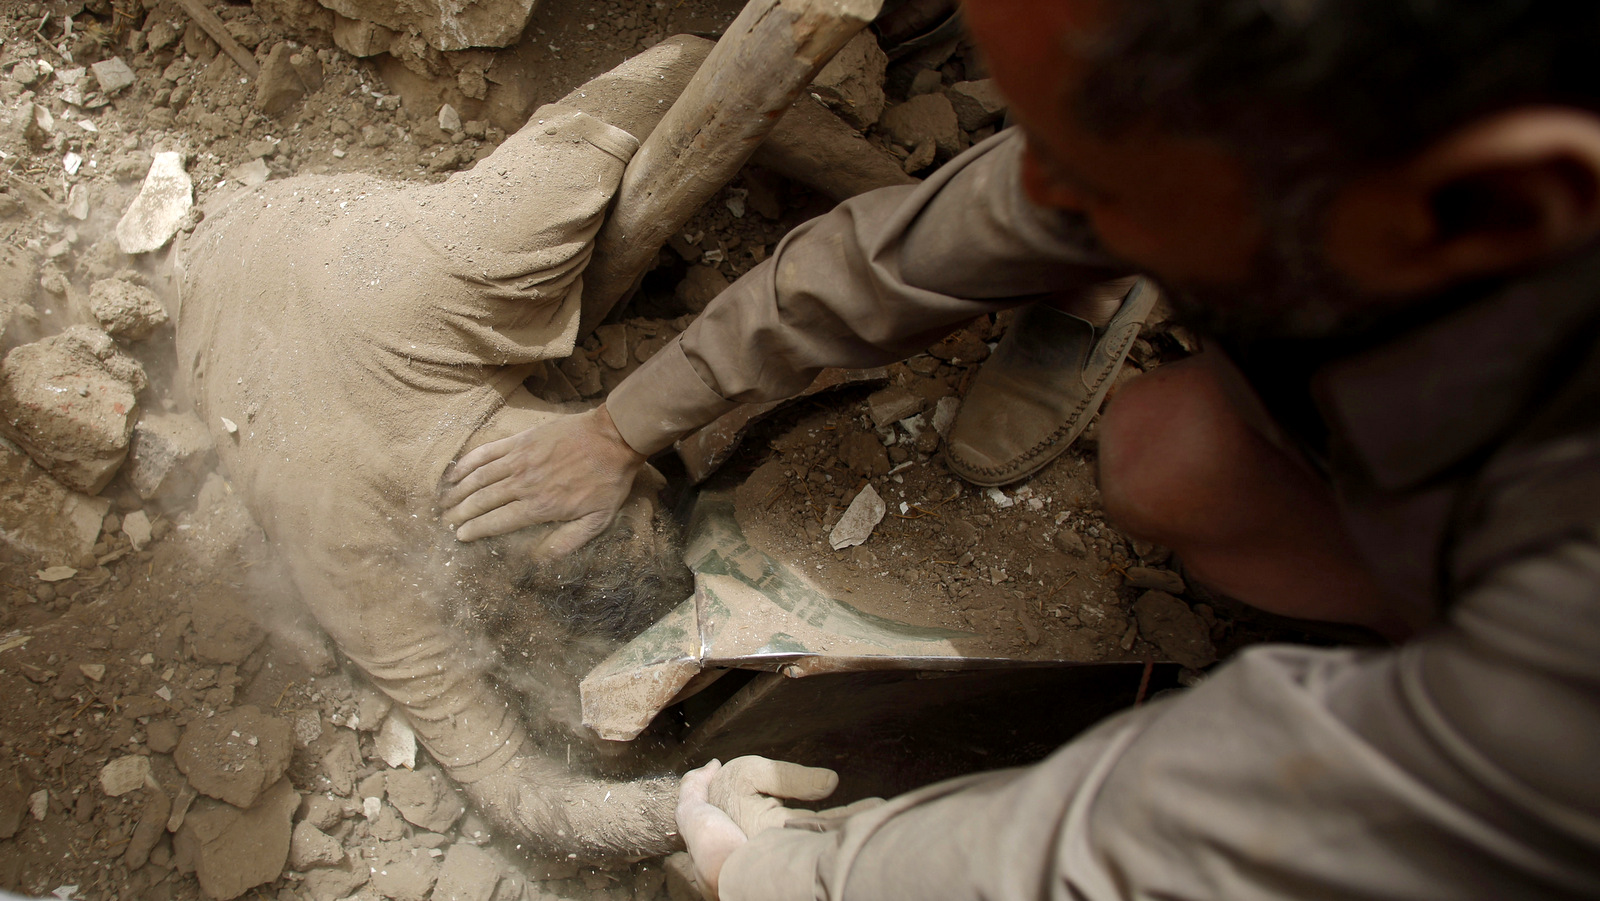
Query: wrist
[{"x": 608, "y": 427}]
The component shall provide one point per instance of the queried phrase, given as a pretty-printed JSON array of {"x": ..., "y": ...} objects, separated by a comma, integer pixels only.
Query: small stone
[
  {"x": 851, "y": 84},
  {"x": 235, "y": 756},
  {"x": 583, "y": 373},
  {"x": 152, "y": 826},
  {"x": 864, "y": 454},
  {"x": 113, "y": 75},
  {"x": 469, "y": 873},
  {"x": 39, "y": 804},
  {"x": 160, "y": 209},
  {"x": 700, "y": 286},
  {"x": 124, "y": 774},
  {"x": 323, "y": 811},
  {"x": 944, "y": 415},
  {"x": 977, "y": 103},
  {"x": 961, "y": 348},
  {"x": 126, "y": 310},
  {"x": 858, "y": 521},
  {"x": 311, "y": 847},
  {"x": 1070, "y": 542},
  {"x": 926, "y": 118},
  {"x": 925, "y": 82},
  {"x": 921, "y": 157},
  {"x": 94, "y": 672},
  {"x": 892, "y": 404},
  {"x": 251, "y": 174},
  {"x": 279, "y": 85},
  {"x": 169, "y": 455},
  {"x": 78, "y": 202},
  {"x": 161, "y": 736},
  {"x": 236, "y": 850},
  {"x": 43, "y": 518},
  {"x": 449, "y": 119},
  {"x": 613, "y": 345},
  {"x": 425, "y": 799},
  {"x": 360, "y": 38},
  {"x": 333, "y": 883},
  {"x": 408, "y": 876},
  {"x": 1179, "y": 632},
  {"x": 1156, "y": 579},
  {"x": 224, "y": 631},
  {"x": 396, "y": 743}
]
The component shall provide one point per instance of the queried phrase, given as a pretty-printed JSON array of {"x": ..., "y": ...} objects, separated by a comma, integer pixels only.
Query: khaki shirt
[{"x": 1466, "y": 453}]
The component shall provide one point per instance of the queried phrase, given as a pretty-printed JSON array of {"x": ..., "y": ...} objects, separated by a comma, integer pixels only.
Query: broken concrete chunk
[
  {"x": 425, "y": 798},
  {"x": 445, "y": 26},
  {"x": 126, "y": 310},
  {"x": 279, "y": 85},
  {"x": 311, "y": 847},
  {"x": 929, "y": 117},
  {"x": 851, "y": 84},
  {"x": 408, "y": 873},
  {"x": 613, "y": 345},
  {"x": 857, "y": 523},
  {"x": 977, "y": 103},
  {"x": 124, "y": 774},
  {"x": 235, "y": 756},
  {"x": 41, "y": 517},
  {"x": 39, "y": 804},
  {"x": 1179, "y": 632},
  {"x": 169, "y": 455},
  {"x": 136, "y": 526},
  {"x": 396, "y": 743},
  {"x": 330, "y": 883},
  {"x": 250, "y": 174},
  {"x": 224, "y": 631},
  {"x": 944, "y": 415},
  {"x": 360, "y": 38},
  {"x": 163, "y": 203},
  {"x": 236, "y": 850},
  {"x": 69, "y": 401},
  {"x": 893, "y": 404},
  {"x": 113, "y": 75},
  {"x": 469, "y": 874},
  {"x": 152, "y": 826},
  {"x": 78, "y": 202},
  {"x": 700, "y": 286},
  {"x": 449, "y": 119}
]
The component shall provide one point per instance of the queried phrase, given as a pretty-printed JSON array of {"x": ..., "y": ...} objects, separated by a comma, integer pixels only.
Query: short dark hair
[{"x": 1336, "y": 84}]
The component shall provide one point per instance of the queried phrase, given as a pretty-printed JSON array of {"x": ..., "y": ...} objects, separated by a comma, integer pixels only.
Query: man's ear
[{"x": 1502, "y": 194}]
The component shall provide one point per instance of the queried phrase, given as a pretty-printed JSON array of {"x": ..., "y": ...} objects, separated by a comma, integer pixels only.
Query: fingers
[
  {"x": 832, "y": 818},
  {"x": 498, "y": 521},
  {"x": 475, "y": 458},
  {"x": 692, "y": 788},
  {"x": 570, "y": 536},
  {"x": 488, "y": 476},
  {"x": 781, "y": 779}
]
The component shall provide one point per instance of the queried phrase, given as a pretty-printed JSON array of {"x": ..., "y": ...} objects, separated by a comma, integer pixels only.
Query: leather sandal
[{"x": 1040, "y": 389}]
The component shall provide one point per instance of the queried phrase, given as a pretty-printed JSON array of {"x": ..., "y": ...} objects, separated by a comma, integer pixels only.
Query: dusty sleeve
[
  {"x": 1458, "y": 766},
  {"x": 880, "y": 277}
]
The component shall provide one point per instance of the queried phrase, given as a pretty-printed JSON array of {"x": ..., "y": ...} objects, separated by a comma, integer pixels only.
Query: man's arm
[
  {"x": 880, "y": 277},
  {"x": 1458, "y": 766}
]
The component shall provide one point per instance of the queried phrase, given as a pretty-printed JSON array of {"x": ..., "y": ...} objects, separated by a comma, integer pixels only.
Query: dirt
[{"x": 146, "y": 625}]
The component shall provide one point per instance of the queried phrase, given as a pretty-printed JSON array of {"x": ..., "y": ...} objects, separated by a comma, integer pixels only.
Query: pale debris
[
  {"x": 857, "y": 523},
  {"x": 163, "y": 203},
  {"x": 136, "y": 526},
  {"x": 124, "y": 774},
  {"x": 396, "y": 744}
]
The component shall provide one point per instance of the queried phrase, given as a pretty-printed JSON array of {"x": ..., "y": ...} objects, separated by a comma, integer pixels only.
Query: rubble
[
  {"x": 235, "y": 756},
  {"x": 893, "y": 404},
  {"x": 233, "y": 850},
  {"x": 113, "y": 75},
  {"x": 919, "y": 120},
  {"x": 361, "y": 38},
  {"x": 425, "y": 798},
  {"x": 700, "y": 286},
  {"x": 160, "y": 209},
  {"x": 977, "y": 103},
  {"x": 224, "y": 631},
  {"x": 150, "y": 829},
  {"x": 170, "y": 454},
  {"x": 404, "y": 872},
  {"x": 860, "y": 518},
  {"x": 851, "y": 84},
  {"x": 311, "y": 847},
  {"x": 445, "y": 26},
  {"x": 126, "y": 310},
  {"x": 70, "y": 402},
  {"x": 13, "y": 807},
  {"x": 41, "y": 517},
  {"x": 1156, "y": 579},
  {"x": 1179, "y": 632},
  {"x": 469, "y": 873},
  {"x": 136, "y": 526},
  {"x": 396, "y": 743},
  {"x": 124, "y": 774}
]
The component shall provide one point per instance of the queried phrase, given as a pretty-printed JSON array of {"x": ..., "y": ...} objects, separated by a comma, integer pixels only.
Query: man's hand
[
  {"x": 575, "y": 470},
  {"x": 748, "y": 788},
  {"x": 710, "y": 834}
]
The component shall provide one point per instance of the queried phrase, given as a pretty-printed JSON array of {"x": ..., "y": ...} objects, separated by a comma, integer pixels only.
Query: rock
[
  {"x": 113, "y": 75},
  {"x": 858, "y": 521},
  {"x": 78, "y": 202},
  {"x": 700, "y": 286},
  {"x": 1170, "y": 625},
  {"x": 279, "y": 86},
  {"x": 309, "y": 68},
  {"x": 929, "y": 117},
  {"x": 341, "y": 762},
  {"x": 160, "y": 209},
  {"x": 236, "y": 850},
  {"x": 1070, "y": 542},
  {"x": 386, "y": 826},
  {"x": 864, "y": 454},
  {"x": 977, "y": 103},
  {"x": 960, "y": 349},
  {"x": 323, "y": 811},
  {"x": 425, "y": 798},
  {"x": 396, "y": 743},
  {"x": 921, "y": 157},
  {"x": 161, "y": 736},
  {"x": 136, "y": 526},
  {"x": 152, "y": 825},
  {"x": 124, "y": 774},
  {"x": 126, "y": 310},
  {"x": 851, "y": 84},
  {"x": 1156, "y": 579},
  {"x": 360, "y": 38},
  {"x": 169, "y": 455},
  {"x": 94, "y": 672},
  {"x": 613, "y": 345},
  {"x": 925, "y": 82},
  {"x": 311, "y": 847},
  {"x": 250, "y": 174},
  {"x": 469, "y": 874},
  {"x": 449, "y": 119},
  {"x": 70, "y": 402},
  {"x": 39, "y": 804},
  {"x": 13, "y": 807},
  {"x": 583, "y": 373},
  {"x": 445, "y": 26},
  {"x": 893, "y": 404},
  {"x": 41, "y": 517},
  {"x": 944, "y": 415},
  {"x": 224, "y": 631},
  {"x": 235, "y": 756},
  {"x": 333, "y": 883},
  {"x": 371, "y": 707}
]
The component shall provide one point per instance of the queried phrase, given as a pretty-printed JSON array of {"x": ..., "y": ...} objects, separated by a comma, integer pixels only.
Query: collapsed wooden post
[{"x": 767, "y": 56}]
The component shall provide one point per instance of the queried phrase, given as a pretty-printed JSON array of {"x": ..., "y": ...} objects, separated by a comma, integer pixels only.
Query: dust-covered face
[{"x": 610, "y": 589}]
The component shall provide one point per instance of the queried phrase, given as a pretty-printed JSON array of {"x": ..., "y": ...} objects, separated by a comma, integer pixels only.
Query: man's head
[{"x": 1302, "y": 166}]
